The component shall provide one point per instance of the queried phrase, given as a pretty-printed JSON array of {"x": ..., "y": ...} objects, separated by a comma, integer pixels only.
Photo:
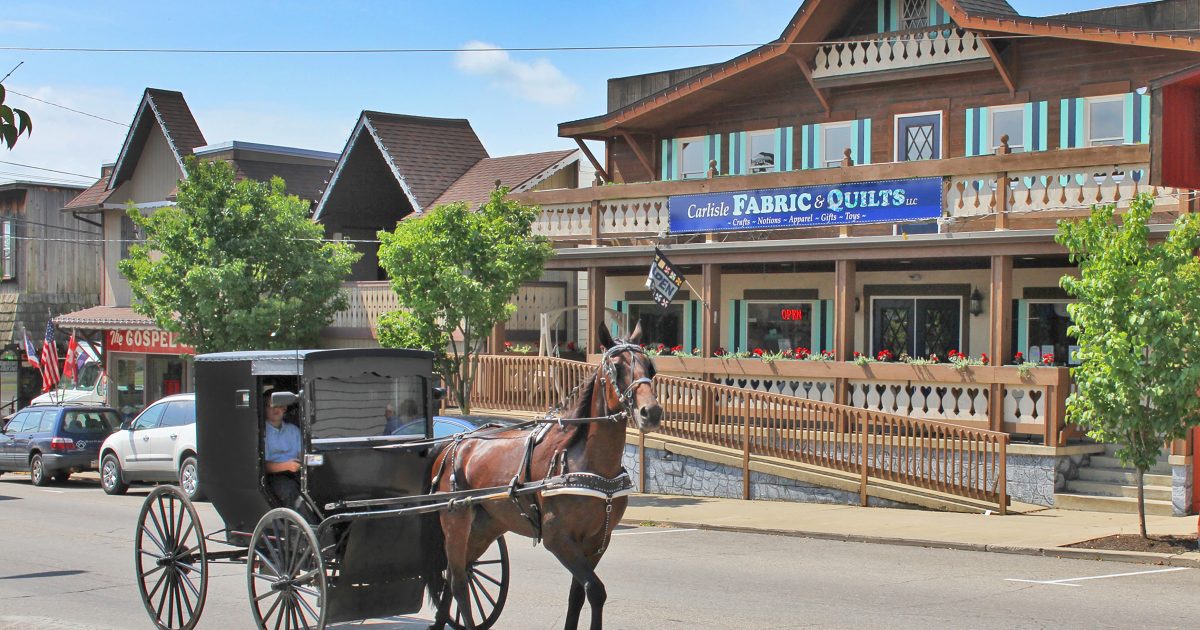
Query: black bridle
[{"x": 624, "y": 397}]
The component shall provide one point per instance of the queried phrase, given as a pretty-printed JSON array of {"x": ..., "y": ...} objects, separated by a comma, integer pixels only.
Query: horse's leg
[
  {"x": 586, "y": 582},
  {"x": 457, "y": 527},
  {"x": 574, "y": 604}
]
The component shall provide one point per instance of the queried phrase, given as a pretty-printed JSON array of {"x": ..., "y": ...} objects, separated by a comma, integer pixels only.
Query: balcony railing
[
  {"x": 366, "y": 302},
  {"x": 1058, "y": 182},
  {"x": 896, "y": 51}
]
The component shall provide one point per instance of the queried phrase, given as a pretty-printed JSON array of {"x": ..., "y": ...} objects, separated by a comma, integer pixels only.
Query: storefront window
[
  {"x": 659, "y": 325},
  {"x": 130, "y": 386},
  {"x": 164, "y": 376},
  {"x": 1048, "y": 322},
  {"x": 776, "y": 326}
]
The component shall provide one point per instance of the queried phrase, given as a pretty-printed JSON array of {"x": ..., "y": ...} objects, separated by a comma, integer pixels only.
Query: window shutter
[
  {"x": 889, "y": 15},
  {"x": 1071, "y": 121},
  {"x": 1035, "y": 126},
  {"x": 737, "y": 323},
  {"x": 978, "y": 138},
  {"x": 1022, "y": 323},
  {"x": 619, "y": 307},
  {"x": 713, "y": 151},
  {"x": 810, "y": 147},
  {"x": 783, "y": 161},
  {"x": 738, "y": 164},
  {"x": 826, "y": 330},
  {"x": 1137, "y": 118},
  {"x": 691, "y": 325},
  {"x": 860, "y": 141},
  {"x": 668, "y": 160},
  {"x": 937, "y": 15}
]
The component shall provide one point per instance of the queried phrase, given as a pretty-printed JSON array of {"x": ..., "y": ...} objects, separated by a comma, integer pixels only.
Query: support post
[
  {"x": 843, "y": 319},
  {"x": 587, "y": 152},
  {"x": 595, "y": 307},
  {"x": 641, "y": 155},
  {"x": 1000, "y": 327},
  {"x": 746, "y": 447},
  {"x": 642, "y": 462},
  {"x": 496, "y": 339},
  {"x": 710, "y": 328},
  {"x": 863, "y": 432},
  {"x": 594, "y": 222}
]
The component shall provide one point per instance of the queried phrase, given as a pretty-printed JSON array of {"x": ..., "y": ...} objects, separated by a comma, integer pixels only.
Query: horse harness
[{"x": 558, "y": 480}]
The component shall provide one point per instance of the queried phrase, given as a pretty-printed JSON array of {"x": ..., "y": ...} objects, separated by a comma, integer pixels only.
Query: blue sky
[{"x": 514, "y": 100}]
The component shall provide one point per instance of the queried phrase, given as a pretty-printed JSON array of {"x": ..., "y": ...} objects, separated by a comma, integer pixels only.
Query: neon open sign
[{"x": 791, "y": 314}]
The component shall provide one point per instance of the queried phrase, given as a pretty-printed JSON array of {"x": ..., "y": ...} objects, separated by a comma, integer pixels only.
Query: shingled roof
[
  {"x": 92, "y": 197},
  {"x": 517, "y": 172},
  {"x": 997, "y": 7},
  {"x": 168, "y": 110}
]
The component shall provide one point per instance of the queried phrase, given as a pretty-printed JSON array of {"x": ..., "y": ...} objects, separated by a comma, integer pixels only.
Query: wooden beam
[
  {"x": 710, "y": 330},
  {"x": 844, "y": 290},
  {"x": 595, "y": 307},
  {"x": 637, "y": 150},
  {"x": 592, "y": 158},
  {"x": 804, "y": 69},
  {"x": 1000, "y": 67},
  {"x": 1000, "y": 325}
]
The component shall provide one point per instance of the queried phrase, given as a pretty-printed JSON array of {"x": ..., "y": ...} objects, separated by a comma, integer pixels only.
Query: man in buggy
[{"x": 282, "y": 446}]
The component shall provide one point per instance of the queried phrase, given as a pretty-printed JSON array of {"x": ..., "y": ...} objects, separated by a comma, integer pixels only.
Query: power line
[
  {"x": 42, "y": 168},
  {"x": 48, "y": 180},
  {"x": 70, "y": 109}
]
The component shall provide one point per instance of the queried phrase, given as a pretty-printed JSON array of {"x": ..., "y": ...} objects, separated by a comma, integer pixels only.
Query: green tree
[
  {"x": 454, "y": 270},
  {"x": 1137, "y": 320},
  {"x": 236, "y": 265},
  {"x": 13, "y": 122}
]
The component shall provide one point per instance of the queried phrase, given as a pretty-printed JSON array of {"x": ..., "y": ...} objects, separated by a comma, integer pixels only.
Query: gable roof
[
  {"x": 170, "y": 112},
  {"x": 425, "y": 155},
  {"x": 517, "y": 172},
  {"x": 91, "y": 198}
]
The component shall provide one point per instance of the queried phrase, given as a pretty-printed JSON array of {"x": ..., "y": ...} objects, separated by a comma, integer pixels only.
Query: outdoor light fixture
[{"x": 976, "y": 306}]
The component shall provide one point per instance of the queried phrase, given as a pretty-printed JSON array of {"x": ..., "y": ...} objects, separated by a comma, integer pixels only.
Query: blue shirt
[{"x": 282, "y": 444}]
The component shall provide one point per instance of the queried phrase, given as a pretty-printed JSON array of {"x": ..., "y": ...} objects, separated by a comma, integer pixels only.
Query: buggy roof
[{"x": 291, "y": 361}]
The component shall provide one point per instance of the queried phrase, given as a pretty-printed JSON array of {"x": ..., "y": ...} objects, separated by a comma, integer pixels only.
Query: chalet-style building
[
  {"x": 396, "y": 166},
  {"x": 886, "y": 175},
  {"x": 145, "y": 363}
]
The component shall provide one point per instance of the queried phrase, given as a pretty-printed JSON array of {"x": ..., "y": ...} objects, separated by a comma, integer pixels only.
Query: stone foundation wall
[
  {"x": 1035, "y": 478},
  {"x": 1181, "y": 489}
]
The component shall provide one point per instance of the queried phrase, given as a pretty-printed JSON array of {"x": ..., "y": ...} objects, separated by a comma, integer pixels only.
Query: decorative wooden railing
[
  {"x": 941, "y": 456},
  {"x": 896, "y": 51},
  {"x": 366, "y": 301}
]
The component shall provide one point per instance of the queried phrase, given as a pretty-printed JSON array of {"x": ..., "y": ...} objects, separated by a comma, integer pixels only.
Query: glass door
[
  {"x": 919, "y": 137},
  {"x": 128, "y": 385},
  {"x": 917, "y": 327}
]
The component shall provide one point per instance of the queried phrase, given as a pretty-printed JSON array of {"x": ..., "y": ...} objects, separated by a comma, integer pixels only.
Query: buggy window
[
  {"x": 368, "y": 405},
  {"x": 94, "y": 421}
]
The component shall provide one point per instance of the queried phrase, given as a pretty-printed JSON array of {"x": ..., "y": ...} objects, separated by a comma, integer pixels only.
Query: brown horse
[{"x": 576, "y": 529}]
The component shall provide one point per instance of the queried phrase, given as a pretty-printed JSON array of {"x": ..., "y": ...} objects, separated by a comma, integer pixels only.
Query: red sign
[
  {"x": 791, "y": 314},
  {"x": 148, "y": 341}
]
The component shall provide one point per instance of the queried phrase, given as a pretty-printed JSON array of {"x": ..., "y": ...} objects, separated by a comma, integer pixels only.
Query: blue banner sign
[{"x": 856, "y": 203}]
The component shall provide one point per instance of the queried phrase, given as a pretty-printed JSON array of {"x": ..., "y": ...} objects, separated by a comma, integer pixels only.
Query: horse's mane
[{"x": 583, "y": 406}]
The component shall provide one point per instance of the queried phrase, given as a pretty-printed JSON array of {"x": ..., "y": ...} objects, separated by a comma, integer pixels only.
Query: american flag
[{"x": 49, "y": 359}]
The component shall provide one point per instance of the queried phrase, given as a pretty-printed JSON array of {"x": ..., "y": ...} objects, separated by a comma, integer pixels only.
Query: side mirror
[
  {"x": 283, "y": 399},
  {"x": 125, "y": 425},
  {"x": 439, "y": 393}
]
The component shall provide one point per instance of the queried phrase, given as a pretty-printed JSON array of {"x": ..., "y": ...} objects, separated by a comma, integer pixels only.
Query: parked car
[
  {"x": 159, "y": 445},
  {"x": 54, "y": 441}
]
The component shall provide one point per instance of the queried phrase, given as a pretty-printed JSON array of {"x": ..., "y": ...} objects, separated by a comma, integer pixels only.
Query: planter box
[{"x": 825, "y": 370}]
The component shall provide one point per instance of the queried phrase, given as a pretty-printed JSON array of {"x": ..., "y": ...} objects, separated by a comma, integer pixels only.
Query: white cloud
[
  {"x": 538, "y": 81},
  {"x": 21, "y": 25}
]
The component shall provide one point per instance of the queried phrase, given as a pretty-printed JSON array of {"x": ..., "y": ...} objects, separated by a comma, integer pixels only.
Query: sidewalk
[{"x": 1043, "y": 532}]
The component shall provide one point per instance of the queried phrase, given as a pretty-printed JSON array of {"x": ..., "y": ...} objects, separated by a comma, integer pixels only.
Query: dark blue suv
[{"x": 53, "y": 441}]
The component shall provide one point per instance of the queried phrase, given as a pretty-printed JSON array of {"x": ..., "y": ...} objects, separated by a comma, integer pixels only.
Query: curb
[{"x": 1128, "y": 557}]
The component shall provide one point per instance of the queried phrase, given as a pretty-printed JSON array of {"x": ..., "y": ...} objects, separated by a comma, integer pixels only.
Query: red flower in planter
[
  {"x": 857, "y": 354},
  {"x": 828, "y": 355},
  {"x": 1019, "y": 358},
  {"x": 677, "y": 349},
  {"x": 884, "y": 355},
  {"x": 570, "y": 346},
  {"x": 1048, "y": 358},
  {"x": 758, "y": 352},
  {"x": 934, "y": 358},
  {"x": 719, "y": 352},
  {"x": 802, "y": 353},
  {"x": 984, "y": 357},
  {"x": 508, "y": 345}
]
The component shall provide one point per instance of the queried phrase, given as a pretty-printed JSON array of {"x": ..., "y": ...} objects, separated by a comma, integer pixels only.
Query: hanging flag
[
  {"x": 31, "y": 352},
  {"x": 49, "y": 359},
  {"x": 70, "y": 370},
  {"x": 664, "y": 281}
]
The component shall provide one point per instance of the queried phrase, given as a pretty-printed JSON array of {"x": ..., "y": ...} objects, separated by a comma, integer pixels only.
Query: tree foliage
[
  {"x": 1137, "y": 320},
  {"x": 236, "y": 265},
  {"x": 454, "y": 271},
  {"x": 13, "y": 122}
]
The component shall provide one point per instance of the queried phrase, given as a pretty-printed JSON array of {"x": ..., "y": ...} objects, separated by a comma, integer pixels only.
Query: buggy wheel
[
  {"x": 285, "y": 574},
  {"x": 170, "y": 560},
  {"x": 487, "y": 588}
]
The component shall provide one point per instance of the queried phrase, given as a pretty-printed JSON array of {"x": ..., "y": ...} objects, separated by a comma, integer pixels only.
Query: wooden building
[{"x": 886, "y": 175}]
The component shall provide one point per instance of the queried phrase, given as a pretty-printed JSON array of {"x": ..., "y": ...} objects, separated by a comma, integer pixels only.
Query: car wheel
[
  {"x": 62, "y": 477},
  {"x": 37, "y": 471},
  {"x": 110, "y": 476},
  {"x": 189, "y": 479}
]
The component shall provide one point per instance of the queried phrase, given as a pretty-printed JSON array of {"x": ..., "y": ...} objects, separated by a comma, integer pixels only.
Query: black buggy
[{"x": 365, "y": 544}]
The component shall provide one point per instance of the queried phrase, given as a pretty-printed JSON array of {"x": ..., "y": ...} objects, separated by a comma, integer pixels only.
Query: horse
[{"x": 575, "y": 527}]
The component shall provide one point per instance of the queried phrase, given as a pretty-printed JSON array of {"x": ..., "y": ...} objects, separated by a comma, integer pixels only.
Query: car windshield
[
  {"x": 95, "y": 421},
  {"x": 367, "y": 405},
  {"x": 88, "y": 376}
]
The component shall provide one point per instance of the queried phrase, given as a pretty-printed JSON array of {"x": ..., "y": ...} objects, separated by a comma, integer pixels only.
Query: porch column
[
  {"x": 1000, "y": 331},
  {"x": 843, "y": 319},
  {"x": 496, "y": 339},
  {"x": 595, "y": 307},
  {"x": 710, "y": 329}
]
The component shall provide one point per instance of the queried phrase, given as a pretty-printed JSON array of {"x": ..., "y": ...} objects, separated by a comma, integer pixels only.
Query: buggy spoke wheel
[
  {"x": 285, "y": 573},
  {"x": 170, "y": 560},
  {"x": 487, "y": 588}
]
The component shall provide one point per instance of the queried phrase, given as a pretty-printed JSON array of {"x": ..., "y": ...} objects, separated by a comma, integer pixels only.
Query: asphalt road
[{"x": 66, "y": 563}]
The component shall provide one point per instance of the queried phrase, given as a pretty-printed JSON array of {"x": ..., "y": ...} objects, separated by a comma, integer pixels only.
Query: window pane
[
  {"x": 762, "y": 152},
  {"x": 366, "y": 405},
  {"x": 149, "y": 418},
  {"x": 659, "y": 325},
  {"x": 47, "y": 424},
  {"x": 778, "y": 326},
  {"x": 1048, "y": 329},
  {"x": 98, "y": 422},
  {"x": 1106, "y": 124},
  {"x": 179, "y": 413},
  {"x": 1011, "y": 123},
  {"x": 6, "y": 262},
  {"x": 837, "y": 140},
  {"x": 692, "y": 159}
]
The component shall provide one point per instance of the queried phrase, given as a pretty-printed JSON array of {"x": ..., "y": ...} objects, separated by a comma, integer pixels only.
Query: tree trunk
[{"x": 1141, "y": 502}]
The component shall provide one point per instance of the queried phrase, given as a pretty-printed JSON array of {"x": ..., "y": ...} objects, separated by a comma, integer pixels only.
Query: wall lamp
[{"x": 975, "y": 306}]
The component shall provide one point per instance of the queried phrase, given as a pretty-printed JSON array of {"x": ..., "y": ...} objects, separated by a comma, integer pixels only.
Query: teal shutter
[
  {"x": 826, "y": 329},
  {"x": 888, "y": 17},
  {"x": 739, "y": 164},
  {"x": 668, "y": 160},
  {"x": 860, "y": 141},
  {"x": 978, "y": 137},
  {"x": 1071, "y": 123},
  {"x": 736, "y": 315},
  {"x": 786, "y": 141},
  {"x": 691, "y": 325},
  {"x": 810, "y": 147},
  {"x": 713, "y": 150},
  {"x": 937, "y": 15},
  {"x": 619, "y": 307},
  {"x": 1035, "y": 126},
  {"x": 1022, "y": 326},
  {"x": 1137, "y": 118}
]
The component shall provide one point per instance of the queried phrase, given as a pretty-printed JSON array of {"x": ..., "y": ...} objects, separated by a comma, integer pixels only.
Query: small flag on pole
[
  {"x": 70, "y": 370},
  {"x": 664, "y": 282},
  {"x": 49, "y": 359},
  {"x": 31, "y": 352}
]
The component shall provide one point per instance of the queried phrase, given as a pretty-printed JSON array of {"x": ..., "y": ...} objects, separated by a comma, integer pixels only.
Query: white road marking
[
  {"x": 1063, "y": 582},
  {"x": 670, "y": 530},
  {"x": 56, "y": 491}
]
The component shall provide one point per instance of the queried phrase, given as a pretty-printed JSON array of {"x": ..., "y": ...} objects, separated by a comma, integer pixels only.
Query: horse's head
[{"x": 629, "y": 375}]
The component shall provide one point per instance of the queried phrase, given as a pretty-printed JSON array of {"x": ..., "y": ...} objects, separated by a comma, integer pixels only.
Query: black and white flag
[{"x": 664, "y": 282}]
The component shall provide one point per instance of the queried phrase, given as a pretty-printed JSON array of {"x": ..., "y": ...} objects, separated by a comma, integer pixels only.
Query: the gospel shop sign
[
  {"x": 856, "y": 203},
  {"x": 147, "y": 341}
]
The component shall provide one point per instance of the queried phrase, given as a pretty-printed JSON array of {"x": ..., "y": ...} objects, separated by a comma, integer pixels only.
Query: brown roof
[
  {"x": 171, "y": 113},
  {"x": 427, "y": 154},
  {"x": 105, "y": 318},
  {"x": 477, "y": 184},
  {"x": 92, "y": 197},
  {"x": 306, "y": 181},
  {"x": 999, "y": 7}
]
